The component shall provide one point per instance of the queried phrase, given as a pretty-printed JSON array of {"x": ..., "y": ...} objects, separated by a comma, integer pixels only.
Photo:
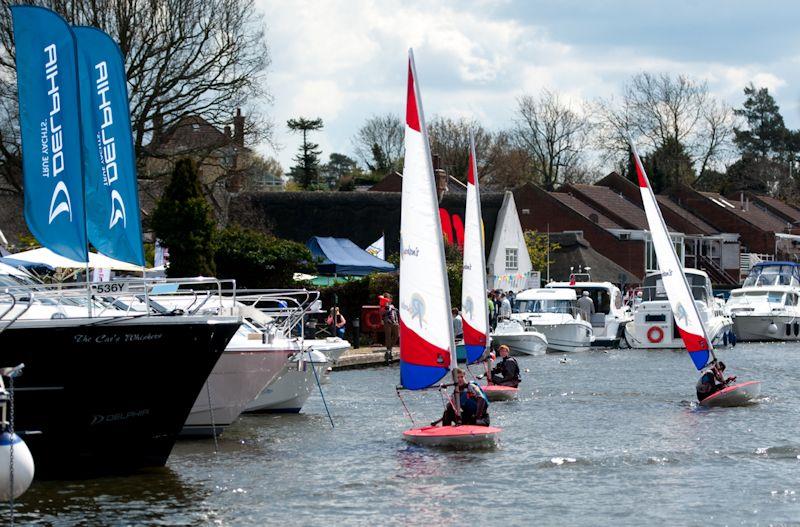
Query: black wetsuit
[
  {"x": 506, "y": 373},
  {"x": 707, "y": 385}
]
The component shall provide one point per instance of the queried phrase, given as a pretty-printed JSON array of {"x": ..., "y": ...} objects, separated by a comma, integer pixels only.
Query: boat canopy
[
  {"x": 547, "y": 294},
  {"x": 773, "y": 273},
  {"x": 341, "y": 256}
]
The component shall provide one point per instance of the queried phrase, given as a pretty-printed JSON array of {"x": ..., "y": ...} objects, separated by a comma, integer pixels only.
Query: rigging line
[
  {"x": 211, "y": 413},
  {"x": 397, "y": 390},
  {"x": 316, "y": 377}
]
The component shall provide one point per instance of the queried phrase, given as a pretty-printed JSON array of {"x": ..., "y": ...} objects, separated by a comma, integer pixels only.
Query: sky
[{"x": 345, "y": 61}]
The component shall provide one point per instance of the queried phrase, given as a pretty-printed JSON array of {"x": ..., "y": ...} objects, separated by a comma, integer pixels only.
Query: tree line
[{"x": 688, "y": 137}]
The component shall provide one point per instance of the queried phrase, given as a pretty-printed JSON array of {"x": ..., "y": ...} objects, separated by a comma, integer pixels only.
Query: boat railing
[
  {"x": 658, "y": 294},
  {"x": 131, "y": 296},
  {"x": 12, "y": 303},
  {"x": 289, "y": 307}
]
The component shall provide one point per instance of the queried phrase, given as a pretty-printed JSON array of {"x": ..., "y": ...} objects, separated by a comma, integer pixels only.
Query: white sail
[
  {"x": 427, "y": 349},
  {"x": 684, "y": 309},
  {"x": 474, "y": 307}
]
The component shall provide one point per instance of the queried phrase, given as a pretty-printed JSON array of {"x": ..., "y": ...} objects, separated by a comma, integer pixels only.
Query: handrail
[{"x": 18, "y": 315}]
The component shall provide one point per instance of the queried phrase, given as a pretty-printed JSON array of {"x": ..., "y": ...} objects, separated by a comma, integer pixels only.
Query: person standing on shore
[{"x": 391, "y": 323}]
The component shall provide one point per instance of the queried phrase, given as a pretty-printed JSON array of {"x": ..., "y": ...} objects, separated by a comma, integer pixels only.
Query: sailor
[
  {"x": 458, "y": 324},
  {"x": 586, "y": 306},
  {"x": 473, "y": 402},
  {"x": 492, "y": 309},
  {"x": 506, "y": 372},
  {"x": 712, "y": 380},
  {"x": 505, "y": 306}
]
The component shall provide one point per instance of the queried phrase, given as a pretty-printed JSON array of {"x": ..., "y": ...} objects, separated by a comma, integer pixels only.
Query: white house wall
[{"x": 508, "y": 234}]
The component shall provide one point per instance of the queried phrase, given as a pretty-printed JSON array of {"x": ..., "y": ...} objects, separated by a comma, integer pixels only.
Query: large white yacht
[
  {"x": 653, "y": 325},
  {"x": 554, "y": 313},
  {"x": 766, "y": 306},
  {"x": 610, "y": 312}
]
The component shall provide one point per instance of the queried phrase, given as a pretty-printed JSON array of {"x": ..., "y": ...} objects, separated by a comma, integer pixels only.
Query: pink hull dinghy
[
  {"x": 464, "y": 436},
  {"x": 741, "y": 394},
  {"x": 495, "y": 392}
]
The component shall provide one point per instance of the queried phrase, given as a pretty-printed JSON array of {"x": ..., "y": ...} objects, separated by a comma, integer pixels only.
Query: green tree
[
  {"x": 539, "y": 249},
  {"x": 765, "y": 134},
  {"x": 306, "y": 171},
  {"x": 338, "y": 167},
  {"x": 257, "y": 260},
  {"x": 669, "y": 166},
  {"x": 183, "y": 221}
]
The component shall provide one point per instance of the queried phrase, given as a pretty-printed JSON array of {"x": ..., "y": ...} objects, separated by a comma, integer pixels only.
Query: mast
[{"x": 681, "y": 299}]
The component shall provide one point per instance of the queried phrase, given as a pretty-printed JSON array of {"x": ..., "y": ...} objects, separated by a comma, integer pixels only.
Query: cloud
[{"x": 345, "y": 60}]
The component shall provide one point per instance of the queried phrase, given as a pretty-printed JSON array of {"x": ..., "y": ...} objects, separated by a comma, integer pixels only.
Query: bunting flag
[
  {"x": 50, "y": 126},
  {"x": 377, "y": 248},
  {"x": 113, "y": 223}
]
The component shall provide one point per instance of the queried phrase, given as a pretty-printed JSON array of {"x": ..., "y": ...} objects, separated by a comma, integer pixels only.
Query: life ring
[{"x": 655, "y": 335}]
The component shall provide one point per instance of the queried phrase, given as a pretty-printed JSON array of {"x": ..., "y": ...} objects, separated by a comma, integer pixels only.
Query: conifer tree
[{"x": 306, "y": 171}]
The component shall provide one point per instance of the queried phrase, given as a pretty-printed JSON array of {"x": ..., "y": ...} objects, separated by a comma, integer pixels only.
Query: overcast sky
[{"x": 344, "y": 61}]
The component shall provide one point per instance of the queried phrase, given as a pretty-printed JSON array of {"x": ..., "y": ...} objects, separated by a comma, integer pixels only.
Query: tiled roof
[
  {"x": 779, "y": 206},
  {"x": 702, "y": 226},
  {"x": 756, "y": 216},
  {"x": 614, "y": 202},
  {"x": 585, "y": 210}
]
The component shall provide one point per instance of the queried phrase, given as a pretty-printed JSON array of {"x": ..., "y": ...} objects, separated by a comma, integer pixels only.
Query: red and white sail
[
  {"x": 427, "y": 349},
  {"x": 684, "y": 309},
  {"x": 474, "y": 307}
]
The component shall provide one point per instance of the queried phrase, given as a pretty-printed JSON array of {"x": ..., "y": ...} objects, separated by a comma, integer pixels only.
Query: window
[{"x": 512, "y": 262}]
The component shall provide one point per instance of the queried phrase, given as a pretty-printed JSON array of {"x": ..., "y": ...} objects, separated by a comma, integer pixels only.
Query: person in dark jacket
[
  {"x": 473, "y": 402},
  {"x": 506, "y": 372},
  {"x": 712, "y": 380}
]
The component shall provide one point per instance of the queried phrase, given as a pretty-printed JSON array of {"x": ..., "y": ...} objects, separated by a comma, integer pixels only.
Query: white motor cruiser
[
  {"x": 653, "y": 325},
  {"x": 554, "y": 313},
  {"x": 610, "y": 312},
  {"x": 519, "y": 339},
  {"x": 293, "y": 385},
  {"x": 766, "y": 306}
]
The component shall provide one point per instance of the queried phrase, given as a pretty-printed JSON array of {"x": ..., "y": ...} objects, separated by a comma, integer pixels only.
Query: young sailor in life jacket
[
  {"x": 473, "y": 402},
  {"x": 506, "y": 372},
  {"x": 712, "y": 380}
]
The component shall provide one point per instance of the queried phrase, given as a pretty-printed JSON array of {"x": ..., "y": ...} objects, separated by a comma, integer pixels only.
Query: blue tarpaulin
[{"x": 342, "y": 257}]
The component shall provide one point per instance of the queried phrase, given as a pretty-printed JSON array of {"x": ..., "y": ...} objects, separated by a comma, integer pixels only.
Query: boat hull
[
  {"x": 566, "y": 337},
  {"x": 238, "y": 378},
  {"x": 464, "y": 436},
  {"x": 522, "y": 343},
  {"x": 754, "y": 328},
  {"x": 496, "y": 392},
  {"x": 290, "y": 390},
  {"x": 741, "y": 394},
  {"x": 104, "y": 397}
]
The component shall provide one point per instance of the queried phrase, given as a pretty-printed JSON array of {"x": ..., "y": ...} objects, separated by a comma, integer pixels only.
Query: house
[{"x": 509, "y": 266}]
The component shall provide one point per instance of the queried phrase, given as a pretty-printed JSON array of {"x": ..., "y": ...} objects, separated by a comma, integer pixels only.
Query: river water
[{"x": 606, "y": 438}]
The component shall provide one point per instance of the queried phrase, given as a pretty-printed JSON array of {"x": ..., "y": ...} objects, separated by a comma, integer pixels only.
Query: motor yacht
[
  {"x": 553, "y": 312},
  {"x": 521, "y": 340},
  {"x": 653, "y": 324},
  {"x": 610, "y": 312},
  {"x": 766, "y": 306}
]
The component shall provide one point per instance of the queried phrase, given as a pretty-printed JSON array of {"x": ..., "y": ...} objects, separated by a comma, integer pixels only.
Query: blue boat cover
[{"x": 343, "y": 257}]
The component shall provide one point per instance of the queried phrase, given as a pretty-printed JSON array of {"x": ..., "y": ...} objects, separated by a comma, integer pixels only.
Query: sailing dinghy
[
  {"x": 427, "y": 346},
  {"x": 684, "y": 309},
  {"x": 474, "y": 303}
]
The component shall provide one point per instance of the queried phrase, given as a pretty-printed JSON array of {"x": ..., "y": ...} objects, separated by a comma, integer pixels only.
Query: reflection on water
[{"x": 588, "y": 442}]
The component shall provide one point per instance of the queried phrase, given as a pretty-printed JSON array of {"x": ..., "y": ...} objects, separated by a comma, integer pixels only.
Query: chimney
[
  {"x": 441, "y": 182},
  {"x": 238, "y": 128},
  {"x": 741, "y": 199},
  {"x": 158, "y": 126},
  {"x": 227, "y": 131}
]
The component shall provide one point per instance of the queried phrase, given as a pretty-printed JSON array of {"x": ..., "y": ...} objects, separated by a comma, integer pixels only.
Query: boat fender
[
  {"x": 23, "y": 466},
  {"x": 655, "y": 334},
  {"x": 772, "y": 328}
]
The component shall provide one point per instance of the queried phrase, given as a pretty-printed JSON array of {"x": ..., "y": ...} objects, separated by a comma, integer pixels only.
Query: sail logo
[
  {"x": 469, "y": 305},
  {"x": 60, "y": 201},
  {"x": 106, "y": 144},
  {"x": 415, "y": 308}
]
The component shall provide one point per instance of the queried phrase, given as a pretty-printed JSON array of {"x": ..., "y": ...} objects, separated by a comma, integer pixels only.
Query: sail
[
  {"x": 684, "y": 310},
  {"x": 427, "y": 350},
  {"x": 474, "y": 308}
]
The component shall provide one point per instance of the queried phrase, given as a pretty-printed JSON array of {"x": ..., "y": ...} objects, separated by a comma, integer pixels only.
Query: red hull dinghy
[
  {"x": 682, "y": 301},
  {"x": 464, "y": 436},
  {"x": 740, "y": 394},
  {"x": 495, "y": 392},
  {"x": 427, "y": 346}
]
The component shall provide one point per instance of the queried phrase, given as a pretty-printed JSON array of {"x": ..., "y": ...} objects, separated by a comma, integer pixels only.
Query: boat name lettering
[
  {"x": 121, "y": 416},
  {"x": 115, "y": 338}
]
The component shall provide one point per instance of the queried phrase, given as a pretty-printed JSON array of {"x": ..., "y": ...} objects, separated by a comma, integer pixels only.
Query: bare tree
[
  {"x": 183, "y": 57},
  {"x": 658, "y": 110},
  {"x": 553, "y": 134},
  {"x": 379, "y": 143}
]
